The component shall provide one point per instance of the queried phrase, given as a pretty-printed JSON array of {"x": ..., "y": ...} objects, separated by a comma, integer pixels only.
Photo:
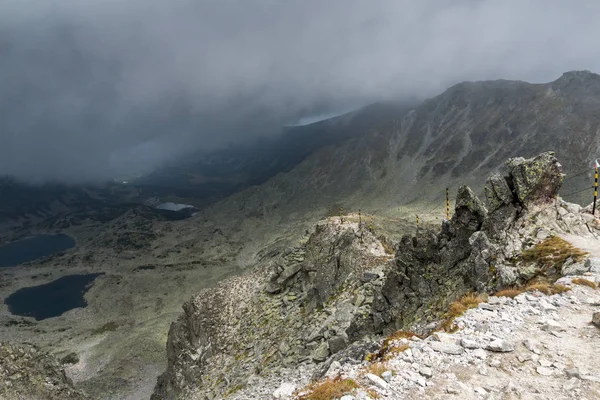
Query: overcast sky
[{"x": 85, "y": 85}]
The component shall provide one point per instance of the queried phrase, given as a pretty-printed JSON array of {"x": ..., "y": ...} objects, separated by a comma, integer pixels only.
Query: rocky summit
[{"x": 329, "y": 300}]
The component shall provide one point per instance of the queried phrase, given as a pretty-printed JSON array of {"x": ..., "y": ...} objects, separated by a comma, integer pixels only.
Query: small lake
[
  {"x": 51, "y": 299},
  {"x": 33, "y": 248}
]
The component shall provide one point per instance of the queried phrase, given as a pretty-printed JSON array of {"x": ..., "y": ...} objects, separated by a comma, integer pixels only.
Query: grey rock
[
  {"x": 571, "y": 384},
  {"x": 537, "y": 180},
  {"x": 284, "y": 391},
  {"x": 593, "y": 265},
  {"x": 362, "y": 395},
  {"x": 542, "y": 234},
  {"x": 480, "y": 353},
  {"x": 321, "y": 352},
  {"x": 596, "y": 319},
  {"x": 497, "y": 192},
  {"x": 544, "y": 362},
  {"x": 590, "y": 378},
  {"x": 494, "y": 300},
  {"x": 479, "y": 390},
  {"x": 551, "y": 325},
  {"x": 531, "y": 346},
  {"x": 426, "y": 372},
  {"x": 337, "y": 343},
  {"x": 453, "y": 389},
  {"x": 524, "y": 358},
  {"x": 387, "y": 376},
  {"x": 496, "y": 363},
  {"x": 447, "y": 348},
  {"x": 545, "y": 371},
  {"x": 347, "y": 397},
  {"x": 500, "y": 346},
  {"x": 377, "y": 381},
  {"x": 469, "y": 344},
  {"x": 572, "y": 268},
  {"x": 544, "y": 305}
]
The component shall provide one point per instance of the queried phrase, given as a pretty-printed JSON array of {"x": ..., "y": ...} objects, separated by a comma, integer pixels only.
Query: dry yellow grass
[
  {"x": 584, "y": 282},
  {"x": 458, "y": 308},
  {"x": 553, "y": 252},
  {"x": 330, "y": 389},
  {"x": 377, "y": 368},
  {"x": 540, "y": 286},
  {"x": 546, "y": 288},
  {"x": 509, "y": 292}
]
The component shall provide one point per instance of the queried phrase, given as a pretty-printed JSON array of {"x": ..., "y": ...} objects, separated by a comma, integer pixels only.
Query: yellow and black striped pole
[
  {"x": 417, "y": 220},
  {"x": 371, "y": 224},
  {"x": 595, "y": 189},
  {"x": 447, "y": 205}
]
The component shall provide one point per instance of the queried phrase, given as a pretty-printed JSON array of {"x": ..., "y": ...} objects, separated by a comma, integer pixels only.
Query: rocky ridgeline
[
  {"x": 29, "y": 373},
  {"x": 531, "y": 347},
  {"x": 324, "y": 301}
]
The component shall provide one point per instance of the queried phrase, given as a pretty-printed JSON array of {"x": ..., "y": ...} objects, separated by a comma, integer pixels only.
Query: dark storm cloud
[{"x": 91, "y": 88}]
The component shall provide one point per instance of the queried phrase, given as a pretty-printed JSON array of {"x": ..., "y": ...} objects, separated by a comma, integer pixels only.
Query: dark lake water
[
  {"x": 51, "y": 299},
  {"x": 30, "y": 249}
]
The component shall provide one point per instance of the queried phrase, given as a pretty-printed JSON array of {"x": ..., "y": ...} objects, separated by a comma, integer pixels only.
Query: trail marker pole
[
  {"x": 595, "y": 188},
  {"x": 417, "y": 221},
  {"x": 447, "y": 205},
  {"x": 359, "y": 220}
]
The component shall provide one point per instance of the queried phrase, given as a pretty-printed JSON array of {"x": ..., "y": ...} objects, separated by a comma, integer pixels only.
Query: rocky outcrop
[
  {"x": 26, "y": 372},
  {"x": 527, "y": 347},
  {"x": 310, "y": 304}
]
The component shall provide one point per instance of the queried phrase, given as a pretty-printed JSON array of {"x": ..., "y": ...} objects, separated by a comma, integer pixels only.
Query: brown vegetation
[
  {"x": 584, "y": 282},
  {"x": 553, "y": 252},
  {"x": 509, "y": 292},
  {"x": 377, "y": 368},
  {"x": 540, "y": 286},
  {"x": 330, "y": 388},
  {"x": 458, "y": 308}
]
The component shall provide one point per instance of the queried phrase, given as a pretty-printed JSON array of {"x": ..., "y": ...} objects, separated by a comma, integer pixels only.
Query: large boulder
[{"x": 536, "y": 180}]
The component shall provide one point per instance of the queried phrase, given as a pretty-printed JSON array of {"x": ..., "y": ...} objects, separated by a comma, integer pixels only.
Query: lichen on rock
[{"x": 26, "y": 372}]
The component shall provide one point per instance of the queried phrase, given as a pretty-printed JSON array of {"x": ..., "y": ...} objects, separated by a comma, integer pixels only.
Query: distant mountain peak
[{"x": 577, "y": 76}]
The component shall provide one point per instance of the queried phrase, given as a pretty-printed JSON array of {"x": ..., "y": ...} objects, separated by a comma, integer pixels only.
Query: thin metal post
[
  {"x": 595, "y": 190},
  {"x": 447, "y": 205}
]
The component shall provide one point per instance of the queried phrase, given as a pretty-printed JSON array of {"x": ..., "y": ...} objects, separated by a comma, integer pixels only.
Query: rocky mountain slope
[
  {"x": 388, "y": 171},
  {"x": 26, "y": 372},
  {"x": 456, "y": 138},
  {"x": 532, "y": 346},
  {"x": 317, "y": 302}
]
